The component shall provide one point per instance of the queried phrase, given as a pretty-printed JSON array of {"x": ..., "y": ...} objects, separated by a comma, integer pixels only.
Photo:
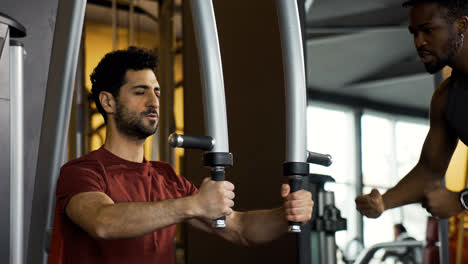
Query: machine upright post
[
  {"x": 12, "y": 91},
  {"x": 17, "y": 153},
  {"x": 217, "y": 156},
  {"x": 211, "y": 71},
  {"x": 295, "y": 166},
  {"x": 55, "y": 121}
]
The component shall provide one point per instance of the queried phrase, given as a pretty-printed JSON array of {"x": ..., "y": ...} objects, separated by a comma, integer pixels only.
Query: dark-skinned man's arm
[{"x": 435, "y": 157}]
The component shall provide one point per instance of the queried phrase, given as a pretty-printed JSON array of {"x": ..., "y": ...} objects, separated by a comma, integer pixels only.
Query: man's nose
[
  {"x": 153, "y": 101},
  {"x": 419, "y": 41}
]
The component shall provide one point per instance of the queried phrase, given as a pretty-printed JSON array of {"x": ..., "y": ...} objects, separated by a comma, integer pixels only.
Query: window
[{"x": 391, "y": 147}]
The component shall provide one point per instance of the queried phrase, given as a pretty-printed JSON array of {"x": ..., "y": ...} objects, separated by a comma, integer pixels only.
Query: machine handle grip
[
  {"x": 218, "y": 175},
  {"x": 185, "y": 141},
  {"x": 320, "y": 159},
  {"x": 295, "y": 183}
]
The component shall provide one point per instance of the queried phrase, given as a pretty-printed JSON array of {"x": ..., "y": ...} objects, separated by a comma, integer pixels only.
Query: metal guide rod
[
  {"x": 55, "y": 120},
  {"x": 114, "y": 25},
  {"x": 214, "y": 104},
  {"x": 211, "y": 73},
  {"x": 294, "y": 77},
  {"x": 131, "y": 23},
  {"x": 16, "y": 153},
  {"x": 443, "y": 223},
  {"x": 295, "y": 166}
]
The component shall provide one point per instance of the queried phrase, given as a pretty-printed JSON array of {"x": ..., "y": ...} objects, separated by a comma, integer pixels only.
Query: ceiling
[
  {"x": 357, "y": 52},
  {"x": 361, "y": 52}
]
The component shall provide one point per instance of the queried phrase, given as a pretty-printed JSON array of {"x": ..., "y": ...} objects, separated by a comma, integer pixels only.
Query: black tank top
[{"x": 456, "y": 109}]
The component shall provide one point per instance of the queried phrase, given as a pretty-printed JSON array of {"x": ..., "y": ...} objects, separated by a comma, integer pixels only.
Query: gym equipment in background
[{"x": 11, "y": 77}]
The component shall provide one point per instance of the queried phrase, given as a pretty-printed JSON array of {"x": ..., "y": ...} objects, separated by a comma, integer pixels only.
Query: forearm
[
  {"x": 262, "y": 226},
  {"x": 134, "y": 219},
  {"x": 247, "y": 228}
]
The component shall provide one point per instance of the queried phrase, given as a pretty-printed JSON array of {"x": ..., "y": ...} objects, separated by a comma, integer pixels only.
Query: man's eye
[
  {"x": 139, "y": 92},
  {"x": 427, "y": 30}
]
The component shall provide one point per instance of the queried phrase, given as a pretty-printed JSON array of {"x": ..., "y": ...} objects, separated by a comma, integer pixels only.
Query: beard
[
  {"x": 450, "y": 49},
  {"x": 132, "y": 124}
]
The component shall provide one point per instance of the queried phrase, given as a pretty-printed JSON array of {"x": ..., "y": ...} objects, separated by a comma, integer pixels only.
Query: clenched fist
[
  {"x": 214, "y": 199},
  {"x": 370, "y": 205},
  {"x": 297, "y": 205}
]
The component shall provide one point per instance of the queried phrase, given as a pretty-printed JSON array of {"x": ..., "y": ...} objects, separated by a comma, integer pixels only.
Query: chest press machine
[{"x": 57, "y": 110}]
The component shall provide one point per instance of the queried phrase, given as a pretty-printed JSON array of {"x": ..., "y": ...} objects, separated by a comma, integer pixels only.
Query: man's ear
[
  {"x": 107, "y": 101},
  {"x": 462, "y": 24}
]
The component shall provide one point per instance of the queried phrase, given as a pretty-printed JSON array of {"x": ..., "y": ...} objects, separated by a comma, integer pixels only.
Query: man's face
[
  {"x": 435, "y": 39},
  {"x": 137, "y": 106}
]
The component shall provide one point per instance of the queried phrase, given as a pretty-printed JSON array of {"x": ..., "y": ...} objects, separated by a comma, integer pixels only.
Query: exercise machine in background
[{"x": 11, "y": 77}]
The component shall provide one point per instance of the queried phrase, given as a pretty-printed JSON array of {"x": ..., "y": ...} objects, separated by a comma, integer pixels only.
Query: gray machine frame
[
  {"x": 211, "y": 71},
  {"x": 297, "y": 156},
  {"x": 16, "y": 152},
  {"x": 216, "y": 144},
  {"x": 295, "y": 103},
  {"x": 55, "y": 121},
  {"x": 12, "y": 52}
]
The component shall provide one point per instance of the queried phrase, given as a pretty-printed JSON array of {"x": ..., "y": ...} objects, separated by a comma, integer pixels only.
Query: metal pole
[
  {"x": 443, "y": 223},
  {"x": 295, "y": 166},
  {"x": 55, "y": 120},
  {"x": 16, "y": 152},
  {"x": 330, "y": 253},
  {"x": 214, "y": 104},
  {"x": 114, "y": 24},
  {"x": 461, "y": 228},
  {"x": 211, "y": 71},
  {"x": 131, "y": 18},
  {"x": 166, "y": 78},
  {"x": 359, "y": 233},
  {"x": 80, "y": 109},
  {"x": 294, "y": 74}
]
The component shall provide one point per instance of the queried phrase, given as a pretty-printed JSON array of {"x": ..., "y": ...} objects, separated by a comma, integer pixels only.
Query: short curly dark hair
[
  {"x": 400, "y": 228},
  {"x": 455, "y": 8},
  {"x": 109, "y": 74}
]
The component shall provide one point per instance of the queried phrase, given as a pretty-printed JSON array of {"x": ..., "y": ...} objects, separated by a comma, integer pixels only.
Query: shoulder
[
  {"x": 441, "y": 91},
  {"x": 439, "y": 99},
  {"x": 89, "y": 162},
  {"x": 172, "y": 178},
  {"x": 88, "y": 168},
  {"x": 164, "y": 168},
  {"x": 161, "y": 165}
]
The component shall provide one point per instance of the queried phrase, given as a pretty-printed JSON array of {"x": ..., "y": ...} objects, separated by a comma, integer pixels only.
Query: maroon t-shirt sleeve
[
  {"x": 184, "y": 186},
  {"x": 189, "y": 187},
  {"x": 78, "y": 178}
]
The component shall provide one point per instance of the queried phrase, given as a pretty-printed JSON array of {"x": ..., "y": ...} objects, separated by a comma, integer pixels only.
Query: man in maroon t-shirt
[{"x": 113, "y": 206}]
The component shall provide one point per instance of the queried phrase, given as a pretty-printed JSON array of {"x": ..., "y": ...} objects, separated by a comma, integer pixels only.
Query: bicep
[
  {"x": 83, "y": 209},
  {"x": 439, "y": 145}
]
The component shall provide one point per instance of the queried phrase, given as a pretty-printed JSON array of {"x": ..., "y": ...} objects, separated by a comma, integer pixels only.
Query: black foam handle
[
  {"x": 320, "y": 159},
  {"x": 218, "y": 175},
  {"x": 295, "y": 183},
  {"x": 185, "y": 141}
]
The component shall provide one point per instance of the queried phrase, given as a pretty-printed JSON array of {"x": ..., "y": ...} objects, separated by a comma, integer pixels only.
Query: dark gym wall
[
  {"x": 38, "y": 17},
  {"x": 253, "y": 75}
]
